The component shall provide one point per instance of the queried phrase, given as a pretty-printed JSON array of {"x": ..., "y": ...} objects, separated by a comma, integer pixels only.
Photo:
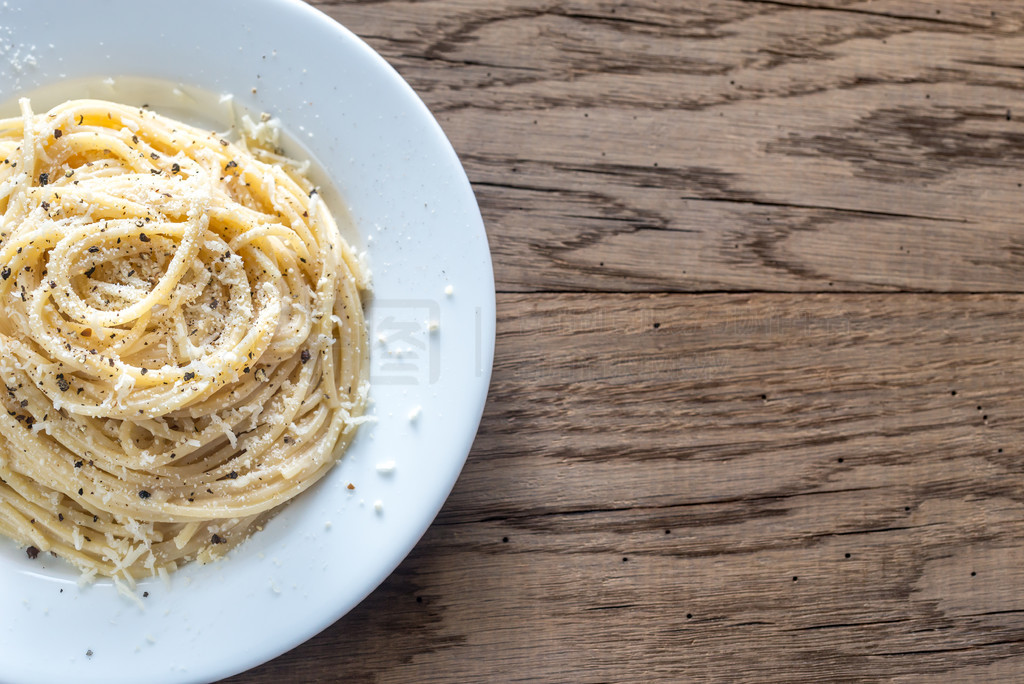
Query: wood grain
[
  {"x": 757, "y": 395},
  {"x": 744, "y": 145}
]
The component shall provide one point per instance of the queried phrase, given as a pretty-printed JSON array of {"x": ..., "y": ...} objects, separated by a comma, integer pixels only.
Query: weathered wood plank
[
  {"x": 785, "y": 383},
  {"x": 730, "y": 145},
  {"x": 666, "y": 521}
]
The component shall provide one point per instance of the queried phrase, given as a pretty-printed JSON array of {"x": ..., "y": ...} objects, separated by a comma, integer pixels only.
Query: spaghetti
[{"x": 182, "y": 342}]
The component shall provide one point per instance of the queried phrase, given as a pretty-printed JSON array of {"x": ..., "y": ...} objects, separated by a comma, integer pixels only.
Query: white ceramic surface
[{"x": 413, "y": 212}]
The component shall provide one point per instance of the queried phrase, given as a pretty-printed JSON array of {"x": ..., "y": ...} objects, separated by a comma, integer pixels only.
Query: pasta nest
[{"x": 182, "y": 340}]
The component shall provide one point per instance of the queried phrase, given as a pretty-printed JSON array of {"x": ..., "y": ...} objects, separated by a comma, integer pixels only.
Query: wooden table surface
[{"x": 759, "y": 389}]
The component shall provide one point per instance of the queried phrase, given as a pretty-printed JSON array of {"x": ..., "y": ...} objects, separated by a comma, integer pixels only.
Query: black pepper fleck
[{"x": 143, "y": 494}]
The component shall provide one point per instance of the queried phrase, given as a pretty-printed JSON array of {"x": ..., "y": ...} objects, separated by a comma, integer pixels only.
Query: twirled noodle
[{"x": 181, "y": 337}]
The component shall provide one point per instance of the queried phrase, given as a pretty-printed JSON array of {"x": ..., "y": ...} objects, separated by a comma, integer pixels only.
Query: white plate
[{"x": 415, "y": 212}]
